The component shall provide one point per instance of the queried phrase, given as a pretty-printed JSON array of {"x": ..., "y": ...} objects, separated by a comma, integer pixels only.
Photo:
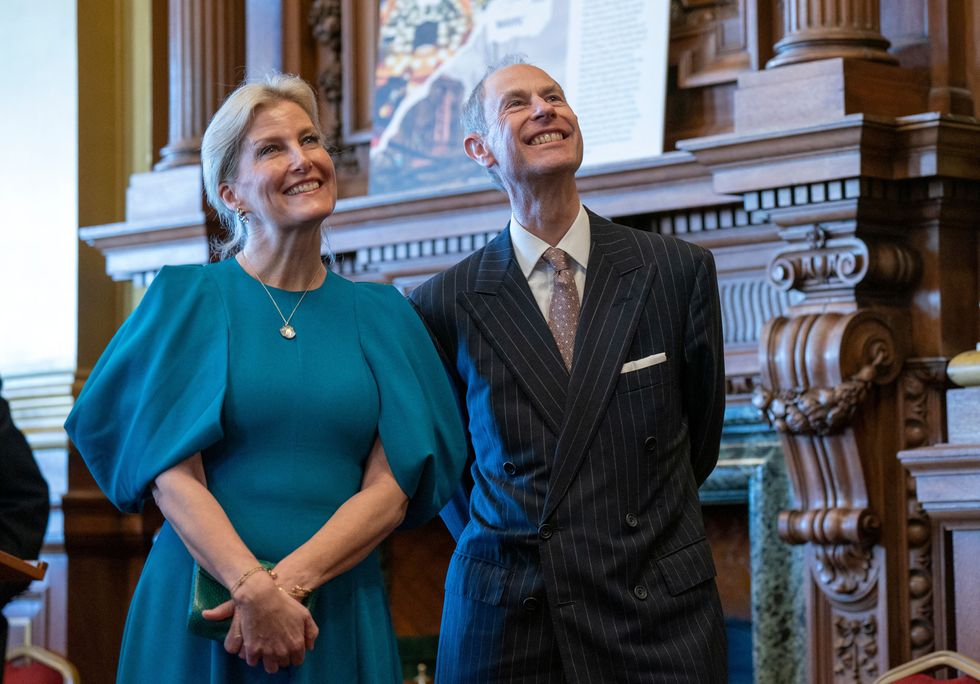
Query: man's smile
[{"x": 543, "y": 138}]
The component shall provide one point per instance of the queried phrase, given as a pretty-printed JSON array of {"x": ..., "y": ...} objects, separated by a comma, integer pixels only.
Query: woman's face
[{"x": 285, "y": 177}]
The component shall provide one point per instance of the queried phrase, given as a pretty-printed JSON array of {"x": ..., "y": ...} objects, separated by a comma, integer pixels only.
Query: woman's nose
[{"x": 301, "y": 160}]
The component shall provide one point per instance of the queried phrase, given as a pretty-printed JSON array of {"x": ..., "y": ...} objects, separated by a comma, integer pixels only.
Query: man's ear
[
  {"x": 478, "y": 150},
  {"x": 228, "y": 196}
]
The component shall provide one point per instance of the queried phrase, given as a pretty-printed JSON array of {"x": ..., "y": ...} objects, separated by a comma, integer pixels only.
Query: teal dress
[{"x": 284, "y": 427}]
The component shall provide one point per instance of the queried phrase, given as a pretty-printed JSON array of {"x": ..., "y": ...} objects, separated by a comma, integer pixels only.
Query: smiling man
[{"x": 588, "y": 357}]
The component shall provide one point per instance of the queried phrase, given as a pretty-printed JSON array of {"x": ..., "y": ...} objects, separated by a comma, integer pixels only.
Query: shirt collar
[{"x": 528, "y": 247}]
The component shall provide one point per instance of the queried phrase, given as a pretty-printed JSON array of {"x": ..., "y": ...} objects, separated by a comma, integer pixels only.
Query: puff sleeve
[
  {"x": 155, "y": 396},
  {"x": 419, "y": 423}
]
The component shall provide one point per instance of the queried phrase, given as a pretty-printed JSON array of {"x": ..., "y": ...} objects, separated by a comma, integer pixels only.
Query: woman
[{"x": 276, "y": 412}]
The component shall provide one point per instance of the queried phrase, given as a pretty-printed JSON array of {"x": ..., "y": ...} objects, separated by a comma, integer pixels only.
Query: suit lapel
[
  {"x": 504, "y": 310},
  {"x": 616, "y": 287}
]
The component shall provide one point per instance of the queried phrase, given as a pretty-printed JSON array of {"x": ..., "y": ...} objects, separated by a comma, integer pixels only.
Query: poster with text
[{"x": 610, "y": 56}]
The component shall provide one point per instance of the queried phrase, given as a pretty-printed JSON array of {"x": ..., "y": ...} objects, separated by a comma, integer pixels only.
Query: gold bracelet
[
  {"x": 300, "y": 593},
  {"x": 245, "y": 575}
]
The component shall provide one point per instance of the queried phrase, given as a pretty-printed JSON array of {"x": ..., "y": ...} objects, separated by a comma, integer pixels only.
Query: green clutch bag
[{"x": 207, "y": 593}]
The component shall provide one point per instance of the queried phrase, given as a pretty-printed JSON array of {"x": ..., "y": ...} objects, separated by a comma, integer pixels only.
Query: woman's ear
[
  {"x": 478, "y": 151},
  {"x": 228, "y": 196}
]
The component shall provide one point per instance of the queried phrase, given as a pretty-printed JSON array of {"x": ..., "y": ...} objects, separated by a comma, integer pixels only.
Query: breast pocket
[{"x": 643, "y": 378}]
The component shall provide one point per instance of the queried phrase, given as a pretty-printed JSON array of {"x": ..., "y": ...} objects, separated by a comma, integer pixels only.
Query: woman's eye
[{"x": 267, "y": 149}]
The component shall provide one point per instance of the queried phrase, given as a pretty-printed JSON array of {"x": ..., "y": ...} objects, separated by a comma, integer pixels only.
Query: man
[
  {"x": 581, "y": 554},
  {"x": 23, "y": 505}
]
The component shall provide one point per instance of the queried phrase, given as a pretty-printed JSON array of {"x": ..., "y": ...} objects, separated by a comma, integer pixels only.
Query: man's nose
[{"x": 542, "y": 108}]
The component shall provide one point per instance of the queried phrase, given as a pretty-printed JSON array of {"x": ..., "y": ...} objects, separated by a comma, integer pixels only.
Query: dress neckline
[{"x": 242, "y": 271}]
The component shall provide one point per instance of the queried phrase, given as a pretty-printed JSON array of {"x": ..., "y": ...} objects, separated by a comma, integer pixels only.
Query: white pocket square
[{"x": 651, "y": 360}]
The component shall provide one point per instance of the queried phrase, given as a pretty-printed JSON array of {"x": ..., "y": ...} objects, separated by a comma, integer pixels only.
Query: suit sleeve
[
  {"x": 704, "y": 358},
  {"x": 456, "y": 513}
]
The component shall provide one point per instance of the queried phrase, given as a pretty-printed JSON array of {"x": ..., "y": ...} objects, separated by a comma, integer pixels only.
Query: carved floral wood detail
[
  {"x": 326, "y": 27},
  {"x": 922, "y": 385},
  {"x": 818, "y": 370},
  {"x": 856, "y": 648}
]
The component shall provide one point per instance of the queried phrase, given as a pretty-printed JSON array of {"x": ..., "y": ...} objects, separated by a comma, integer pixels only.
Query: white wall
[{"x": 38, "y": 185}]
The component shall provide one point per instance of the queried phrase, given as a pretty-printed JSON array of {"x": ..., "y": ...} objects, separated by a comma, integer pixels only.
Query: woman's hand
[{"x": 267, "y": 625}]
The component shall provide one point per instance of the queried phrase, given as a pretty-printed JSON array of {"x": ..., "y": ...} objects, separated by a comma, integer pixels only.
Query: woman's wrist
[
  {"x": 250, "y": 582},
  {"x": 297, "y": 584}
]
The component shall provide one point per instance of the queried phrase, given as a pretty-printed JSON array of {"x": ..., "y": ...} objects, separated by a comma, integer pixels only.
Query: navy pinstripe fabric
[{"x": 581, "y": 554}]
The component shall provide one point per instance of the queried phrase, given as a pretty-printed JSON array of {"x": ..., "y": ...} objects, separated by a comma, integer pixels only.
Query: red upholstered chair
[
  {"x": 36, "y": 665},
  {"x": 913, "y": 672}
]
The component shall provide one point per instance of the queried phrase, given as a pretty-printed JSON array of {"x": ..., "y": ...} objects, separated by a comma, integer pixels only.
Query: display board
[{"x": 610, "y": 56}]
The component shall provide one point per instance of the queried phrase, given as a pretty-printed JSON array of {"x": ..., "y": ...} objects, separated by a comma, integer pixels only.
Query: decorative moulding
[{"x": 854, "y": 146}]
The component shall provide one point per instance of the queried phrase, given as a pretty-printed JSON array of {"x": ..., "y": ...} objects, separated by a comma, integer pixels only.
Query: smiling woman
[
  {"x": 277, "y": 414},
  {"x": 237, "y": 145}
]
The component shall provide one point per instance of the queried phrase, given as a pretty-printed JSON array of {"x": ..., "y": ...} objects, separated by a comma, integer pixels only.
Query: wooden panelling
[
  {"x": 727, "y": 528},
  {"x": 415, "y": 562}
]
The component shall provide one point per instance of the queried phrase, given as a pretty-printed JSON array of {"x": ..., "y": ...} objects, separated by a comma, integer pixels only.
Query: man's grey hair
[{"x": 473, "y": 117}]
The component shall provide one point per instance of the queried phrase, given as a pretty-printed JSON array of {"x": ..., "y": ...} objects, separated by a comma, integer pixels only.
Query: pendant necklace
[{"x": 287, "y": 331}]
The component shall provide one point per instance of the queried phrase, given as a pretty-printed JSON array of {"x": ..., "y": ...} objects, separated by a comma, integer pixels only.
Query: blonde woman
[{"x": 276, "y": 412}]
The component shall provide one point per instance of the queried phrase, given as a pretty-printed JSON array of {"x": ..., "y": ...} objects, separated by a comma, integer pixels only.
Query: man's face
[{"x": 532, "y": 132}]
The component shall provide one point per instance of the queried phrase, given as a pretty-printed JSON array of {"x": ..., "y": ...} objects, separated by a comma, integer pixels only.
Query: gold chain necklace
[{"x": 287, "y": 331}]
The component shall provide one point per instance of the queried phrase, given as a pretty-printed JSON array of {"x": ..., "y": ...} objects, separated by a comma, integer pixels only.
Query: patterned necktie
[{"x": 563, "y": 314}]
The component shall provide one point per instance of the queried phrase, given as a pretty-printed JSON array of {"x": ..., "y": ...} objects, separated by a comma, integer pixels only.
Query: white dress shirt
[{"x": 528, "y": 249}]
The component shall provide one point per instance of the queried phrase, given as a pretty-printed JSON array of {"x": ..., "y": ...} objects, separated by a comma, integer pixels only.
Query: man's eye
[
  {"x": 514, "y": 103},
  {"x": 311, "y": 139}
]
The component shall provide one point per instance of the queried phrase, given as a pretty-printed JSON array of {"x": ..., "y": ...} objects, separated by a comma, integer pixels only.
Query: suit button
[
  {"x": 640, "y": 592},
  {"x": 650, "y": 444},
  {"x": 510, "y": 468},
  {"x": 530, "y": 604},
  {"x": 545, "y": 531},
  {"x": 631, "y": 520}
]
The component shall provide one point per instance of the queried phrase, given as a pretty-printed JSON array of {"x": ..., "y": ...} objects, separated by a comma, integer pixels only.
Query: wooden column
[
  {"x": 207, "y": 54},
  {"x": 823, "y": 29},
  {"x": 167, "y": 221},
  {"x": 949, "y": 34}
]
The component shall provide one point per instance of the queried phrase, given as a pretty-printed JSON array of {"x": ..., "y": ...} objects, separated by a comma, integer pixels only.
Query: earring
[{"x": 242, "y": 216}]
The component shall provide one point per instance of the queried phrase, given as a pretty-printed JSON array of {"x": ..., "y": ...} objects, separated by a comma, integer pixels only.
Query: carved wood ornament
[
  {"x": 818, "y": 372},
  {"x": 325, "y": 24},
  {"x": 922, "y": 389}
]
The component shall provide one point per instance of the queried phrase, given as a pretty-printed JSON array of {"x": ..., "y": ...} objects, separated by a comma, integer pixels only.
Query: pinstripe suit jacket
[{"x": 581, "y": 554}]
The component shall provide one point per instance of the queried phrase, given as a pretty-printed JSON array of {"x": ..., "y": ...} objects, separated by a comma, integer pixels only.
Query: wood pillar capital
[{"x": 825, "y": 29}]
